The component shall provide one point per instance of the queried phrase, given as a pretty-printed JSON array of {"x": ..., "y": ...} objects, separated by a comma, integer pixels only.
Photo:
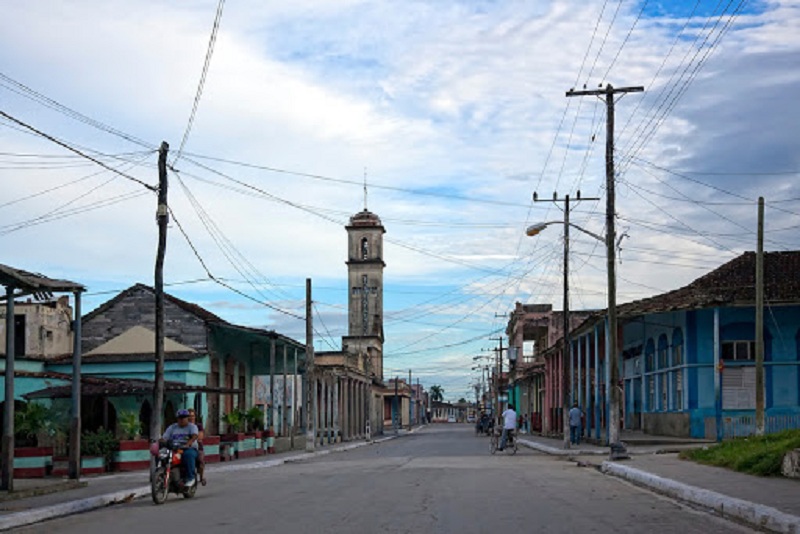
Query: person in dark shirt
[{"x": 201, "y": 463}]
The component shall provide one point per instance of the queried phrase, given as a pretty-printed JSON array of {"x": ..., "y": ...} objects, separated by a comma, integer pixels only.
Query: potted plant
[
  {"x": 30, "y": 424},
  {"x": 230, "y": 443},
  {"x": 97, "y": 451},
  {"x": 255, "y": 426},
  {"x": 134, "y": 452}
]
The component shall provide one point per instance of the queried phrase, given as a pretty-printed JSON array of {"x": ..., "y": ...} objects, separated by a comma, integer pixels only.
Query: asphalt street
[{"x": 440, "y": 479}]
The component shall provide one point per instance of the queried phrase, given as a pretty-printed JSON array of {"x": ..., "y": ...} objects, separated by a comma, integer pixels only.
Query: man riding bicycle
[{"x": 509, "y": 425}]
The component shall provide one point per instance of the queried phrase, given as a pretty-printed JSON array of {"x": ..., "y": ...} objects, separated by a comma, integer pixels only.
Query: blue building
[{"x": 688, "y": 355}]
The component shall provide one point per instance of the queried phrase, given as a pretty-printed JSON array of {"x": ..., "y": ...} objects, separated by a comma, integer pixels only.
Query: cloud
[{"x": 459, "y": 100}]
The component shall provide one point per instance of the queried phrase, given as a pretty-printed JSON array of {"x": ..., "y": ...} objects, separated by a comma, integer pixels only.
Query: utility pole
[
  {"x": 162, "y": 217},
  {"x": 760, "y": 321},
  {"x": 612, "y": 357},
  {"x": 310, "y": 381},
  {"x": 395, "y": 410},
  {"x": 498, "y": 375},
  {"x": 566, "y": 376},
  {"x": 410, "y": 402},
  {"x": 7, "y": 482}
]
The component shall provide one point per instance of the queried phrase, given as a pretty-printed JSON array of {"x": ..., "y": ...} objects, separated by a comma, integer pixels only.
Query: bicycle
[{"x": 511, "y": 442}]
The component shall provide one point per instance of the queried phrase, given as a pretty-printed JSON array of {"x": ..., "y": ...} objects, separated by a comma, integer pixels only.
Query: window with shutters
[{"x": 739, "y": 350}]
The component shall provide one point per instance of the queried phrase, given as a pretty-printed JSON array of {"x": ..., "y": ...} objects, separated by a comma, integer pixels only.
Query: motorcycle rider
[{"x": 183, "y": 434}]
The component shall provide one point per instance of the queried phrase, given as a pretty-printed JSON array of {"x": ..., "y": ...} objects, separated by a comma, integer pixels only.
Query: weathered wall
[
  {"x": 47, "y": 327},
  {"x": 667, "y": 424}
]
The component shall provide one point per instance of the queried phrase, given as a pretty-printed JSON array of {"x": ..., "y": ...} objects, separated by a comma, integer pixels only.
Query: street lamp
[{"x": 618, "y": 450}]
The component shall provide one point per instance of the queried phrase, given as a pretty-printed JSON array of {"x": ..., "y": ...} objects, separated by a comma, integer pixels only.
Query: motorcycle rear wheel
[
  {"x": 189, "y": 492},
  {"x": 159, "y": 487}
]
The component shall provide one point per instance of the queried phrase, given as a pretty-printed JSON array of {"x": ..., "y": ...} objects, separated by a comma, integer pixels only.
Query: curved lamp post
[{"x": 535, "y": 229}]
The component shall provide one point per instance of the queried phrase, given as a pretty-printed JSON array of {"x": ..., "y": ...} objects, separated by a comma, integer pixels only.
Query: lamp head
[{"x": 534, "y": 229}]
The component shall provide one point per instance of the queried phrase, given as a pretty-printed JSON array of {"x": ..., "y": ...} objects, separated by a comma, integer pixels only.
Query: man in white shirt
[{"x": 509, "y": 425}]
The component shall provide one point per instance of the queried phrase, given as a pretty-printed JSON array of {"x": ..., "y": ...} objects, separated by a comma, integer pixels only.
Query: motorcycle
[{"x": 168, "y": 476}]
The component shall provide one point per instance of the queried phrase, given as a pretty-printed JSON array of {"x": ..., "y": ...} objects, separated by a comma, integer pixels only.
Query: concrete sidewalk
[
  {"x": 771, "y": 504},
  {"x": 105, "y": 490},
  {"x": 555, "y": 446}
]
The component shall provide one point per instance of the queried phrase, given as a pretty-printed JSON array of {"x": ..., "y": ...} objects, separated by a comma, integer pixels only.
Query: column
[
  {"x": 285, "y": 398},
  {"x": 272, "y": 409},
  {"x": 569, "y": 354},
  {"x": 588, "y": 382},
  {"x": 607, "y": 361},
  {"x": 597, "y": 404},
  {"x": 579, "y": 357}
]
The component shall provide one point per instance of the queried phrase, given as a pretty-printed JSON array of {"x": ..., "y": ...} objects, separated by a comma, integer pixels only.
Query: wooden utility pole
[
  {"x": 612, "y": 355},
  {"x": 162, "y": 217},
  {"x": 310, "y": 381},
  {"x": 396, "y": 410},
  {"x": 410, "y": 401},
  {"x": 760, "y": 321},
  {"x": 74, "y": 462},
  {"x": 7, "y": 483},
  {"x": 566, "y": 376}
]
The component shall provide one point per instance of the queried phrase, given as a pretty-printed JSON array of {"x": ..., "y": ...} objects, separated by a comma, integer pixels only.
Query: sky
[{"x": 454, "y": 112}]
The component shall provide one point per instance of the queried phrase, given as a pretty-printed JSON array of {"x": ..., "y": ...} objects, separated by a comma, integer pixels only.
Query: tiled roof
[{"x": 729, "y": 285}]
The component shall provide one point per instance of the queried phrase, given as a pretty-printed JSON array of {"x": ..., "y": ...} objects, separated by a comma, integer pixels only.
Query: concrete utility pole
[
  {"x": 612, "y": 355},
  {"x": 162, "y": 216},
  {"x": 566, "y": 376},
  {"x": 310, "y": 382},
  {"x": 760, "y": 321}
]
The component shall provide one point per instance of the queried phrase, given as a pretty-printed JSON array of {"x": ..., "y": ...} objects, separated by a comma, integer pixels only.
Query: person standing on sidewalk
[{"x": 575, "y": 415}]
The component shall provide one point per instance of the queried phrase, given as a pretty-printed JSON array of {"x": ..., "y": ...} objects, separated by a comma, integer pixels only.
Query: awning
[{"x": 94, "y": 386}]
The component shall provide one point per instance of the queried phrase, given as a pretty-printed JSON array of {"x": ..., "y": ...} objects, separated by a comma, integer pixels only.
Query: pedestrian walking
[{"x": 575, "y": 416}]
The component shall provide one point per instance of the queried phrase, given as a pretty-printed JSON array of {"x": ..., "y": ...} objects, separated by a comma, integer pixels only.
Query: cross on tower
[{"x": 365, "y": 290}]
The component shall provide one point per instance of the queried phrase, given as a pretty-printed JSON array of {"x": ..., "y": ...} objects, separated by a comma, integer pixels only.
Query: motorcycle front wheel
[{"x": 159, "y": 487}]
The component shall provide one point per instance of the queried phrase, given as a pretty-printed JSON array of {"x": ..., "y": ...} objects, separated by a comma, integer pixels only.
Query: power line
[
  {"x": 75, "y": 150},
  {"x": 357, "y": 183},
  {"x": 209, "y": 52},
  {"x": 23, "y": 90}
]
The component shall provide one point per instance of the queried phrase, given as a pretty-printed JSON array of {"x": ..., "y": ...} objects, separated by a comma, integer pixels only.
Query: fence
[{"x": 745, "y": 425}]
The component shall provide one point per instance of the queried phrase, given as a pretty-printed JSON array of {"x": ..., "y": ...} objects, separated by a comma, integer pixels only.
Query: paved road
[{"x": 441, "y": 479}]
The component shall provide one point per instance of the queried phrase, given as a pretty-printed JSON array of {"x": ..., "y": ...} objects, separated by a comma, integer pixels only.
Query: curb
[
  {"x": 29, "y": 517},
  {"x": 560, "y": 452},
  {"x": 752, "y": 514}
]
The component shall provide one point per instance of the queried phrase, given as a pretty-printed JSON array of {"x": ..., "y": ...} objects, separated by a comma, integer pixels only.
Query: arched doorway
[
  {"x": 145, "y": 416},
  {"x": 169, "y": 415}
]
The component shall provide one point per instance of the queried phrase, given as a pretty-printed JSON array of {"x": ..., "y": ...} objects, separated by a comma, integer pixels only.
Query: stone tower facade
[{"x": 365, "y": 289}]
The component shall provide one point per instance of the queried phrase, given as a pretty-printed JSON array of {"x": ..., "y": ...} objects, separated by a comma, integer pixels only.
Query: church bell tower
[{"x": 365, "y": 276}]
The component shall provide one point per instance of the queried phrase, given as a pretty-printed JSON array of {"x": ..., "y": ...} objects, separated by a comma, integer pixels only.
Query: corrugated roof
[
  {"x": 35, "y": 283},
  {"x": 118, "y": 387}
]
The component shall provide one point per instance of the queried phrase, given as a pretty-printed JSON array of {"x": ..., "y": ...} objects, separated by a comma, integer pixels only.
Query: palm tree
[{"x": 437, "y": 393}]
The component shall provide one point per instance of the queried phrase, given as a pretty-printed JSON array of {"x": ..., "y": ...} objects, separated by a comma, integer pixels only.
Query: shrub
[
  {"x": 129, "y": 425},
  {"x": 760, "y": 456},
  {"x": 100, "y": 443}
]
